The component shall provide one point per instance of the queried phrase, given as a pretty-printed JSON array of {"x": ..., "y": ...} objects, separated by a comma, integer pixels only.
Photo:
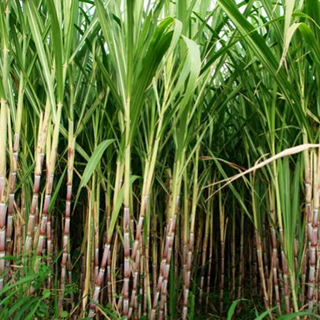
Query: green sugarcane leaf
[
  {"x": 261, "y": 50},
  {"x": 71, "y": 15},
  {"x": 308, "y": 36},
  {"x": 56, "y": 191},
  {"x": 293, "y": 316},
  {"x": 94, "y": 161},
  {"x": 162, "y": 42},
  {"x": 57, "y": 48},
  {"x": 21, "y": 302},
  {"x": 264, "y": 314},
  {"x": 24, "y": 308},
  {"x": 313, "y": 10},
  {"x": 116, "y": 55},
  {"x": 27, "y": 279},
  {"x": 232, "y": 308},
  {"x": 118, "y": 205},
  {"x": 90, "y": 32},
  {"x": 31, "y": 314},
  {"x": 37, "y": 33}
]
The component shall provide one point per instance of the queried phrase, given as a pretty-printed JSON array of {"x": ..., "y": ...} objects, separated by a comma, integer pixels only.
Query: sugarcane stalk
[
  {"x": 210, "y": 260},
  {"x": 138, "y": 264},
  {"x": 106, "y": 261},
  {"x": 313, "y": 231},
  {"x": 252, "y": 265},
  {"x": 14, "y": 165},
  {"x": 164, "y": 267},
  {"x": 92, "y": 257},
  {"x": 261, "y": 271},
  {"x": 190, "y": 245},
  {"x": 49, "y": 184},
  {"x": 67, "y": 219},
  {"x": 96, "y": 223},
  {"x": 42, "y": 137},
  {"x": 126, "y": 215},
  {"x": 241, "y": 259},
  {"x": 4, "y": 114},
  {"x": 3, "y": 207},
  {"x": 146, "y": 281},
  {"x": 105, "y": 264},
  {"x": 233, "y": 254},
  {"x": 148, "y": 178},
  {"x": 69, "y": 268},
  {"x": 127, "y": 155},
  {"x": 50, "y": 247},
  {"x": 106, "y": 256},
  {"x": 265, "y": 249},
  {"x": 204, "y": 254},
  {"x": 19, "y": 234},
  {"x": 286, "y": 276},
  {"x": 258, "y": 245},
  {"x": 223, "y": 229},
  {"x": 154, "y": 256},
  {"x": 169, "y": 242},
  {"x": 274, "y": 250},
  {"x": 113, "y": 269},
  {"x": 315, "y": 223},
  {"x": 184, "y": 241},
  {"x": 312, "y": 238},
  {"x": 88, "y": 249},
  {"x": 166, "y": 259}
]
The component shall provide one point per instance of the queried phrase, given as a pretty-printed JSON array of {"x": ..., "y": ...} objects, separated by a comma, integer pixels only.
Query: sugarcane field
[{"x": 159, "y": 159}]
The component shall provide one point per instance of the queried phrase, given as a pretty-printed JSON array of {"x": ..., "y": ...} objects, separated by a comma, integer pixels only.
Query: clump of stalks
[{"x": 159, "y": 160}]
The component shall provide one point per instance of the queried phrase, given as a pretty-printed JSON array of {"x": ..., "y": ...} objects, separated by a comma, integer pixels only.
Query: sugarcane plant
[{"x": 159, "y": 160}]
